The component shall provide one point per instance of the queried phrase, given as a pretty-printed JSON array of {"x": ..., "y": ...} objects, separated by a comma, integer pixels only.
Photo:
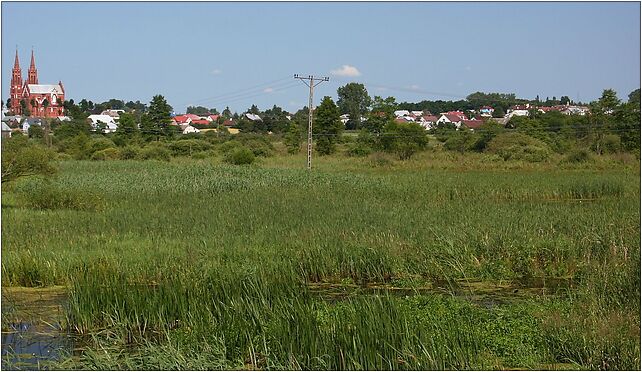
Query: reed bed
[{"x": 201, "y": 265}]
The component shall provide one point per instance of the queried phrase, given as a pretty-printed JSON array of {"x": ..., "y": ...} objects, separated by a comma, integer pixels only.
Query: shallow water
[
  {"x": 27, "y": 347},
  {"x": 32, "y": 336}
]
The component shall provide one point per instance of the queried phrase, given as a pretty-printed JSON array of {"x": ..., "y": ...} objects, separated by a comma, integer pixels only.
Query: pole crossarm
[{"x": 310, "y": 81}]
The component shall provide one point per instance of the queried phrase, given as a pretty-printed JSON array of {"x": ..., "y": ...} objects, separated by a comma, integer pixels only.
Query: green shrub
[
  {"x": 359, "y": 149},
  {"x": 518, "y": 146},
  {"x": 578, "y": 156},
  {"x": 101, "y": 143},
  {"x": 154, "y": 152},
  {"x": 109, "y": 153},
  {"x": 129, "y": 152},
  {"x": 41, "y": 194},
  {"x": 240, "y": 156},
  {"x": 187, "y": 147},
  {"x": 380, "y": 159},
  {"x": 201, "y": 155},
  {"x": 229, "y": 146}
]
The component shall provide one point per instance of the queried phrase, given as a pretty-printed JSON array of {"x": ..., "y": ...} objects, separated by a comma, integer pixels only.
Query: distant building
[
  {"x": 6, "y": 131},
  {"x": 106, "y": 120},
  {"x": 190, "y": 130},
  {"x": 41, "y": 100}
]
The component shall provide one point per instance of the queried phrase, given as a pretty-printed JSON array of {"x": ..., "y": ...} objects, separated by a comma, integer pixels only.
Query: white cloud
[
  {"x": 216, "y": 71},
  {"x": 414, "y": 87},
  {"x": 268, "y": 90},
  {"x": 347, "y": 71}
]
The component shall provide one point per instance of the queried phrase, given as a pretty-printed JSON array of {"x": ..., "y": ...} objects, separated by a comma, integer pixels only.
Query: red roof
[
  {"x": 487, "y": 108},
  {"x": 453, "y": 118},
  {"x": 459, "y": 114},
  {"x": 213, "y": 117},
  {"x": 201, "y": 121},
  {"x": 192, "y": 116},
  {"x": 473, "y": 124},
  {"x": 229, "y": 123},
  {"x": 180, "y": 119},
  {"x": 431, "y": 118}
]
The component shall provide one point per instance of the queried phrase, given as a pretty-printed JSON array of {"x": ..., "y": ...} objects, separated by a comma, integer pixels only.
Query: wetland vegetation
[{"x": 443, "y": 261}]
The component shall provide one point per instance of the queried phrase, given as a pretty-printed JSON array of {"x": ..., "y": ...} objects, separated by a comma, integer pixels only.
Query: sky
[{"x": 238, "y": 54}]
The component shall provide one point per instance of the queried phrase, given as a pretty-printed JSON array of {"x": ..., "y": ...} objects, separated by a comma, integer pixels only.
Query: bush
[
  {"x": 41, "y": 194},
  {"x": 109, "y": 153},
  {"x": 380, "y": 159},
  {"x": 359, "y": 149},
  {"x": 201, "y": 155},
  {"x": 229, "y": 146},
  {"x": 259, "y": 148},
  {"x": 154, "y": 152},
  {"x": 518, "y": 146},
  {"x": 578, "y": 156},
  {"x": 187, "y": 147},
  {"x": 612, "y": 143},
  {"x": 129, "y": 152},
  {"x": 240, "y": 156},
  {"x": 102, "y": 143},
  {"x": 22, "y": 158}
]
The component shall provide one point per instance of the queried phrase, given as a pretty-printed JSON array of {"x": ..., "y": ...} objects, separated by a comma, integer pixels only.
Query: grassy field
[{"x": 441, "y": 262}]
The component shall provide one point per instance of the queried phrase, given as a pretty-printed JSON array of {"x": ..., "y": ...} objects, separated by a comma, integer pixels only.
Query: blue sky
[{"x": 204, "y": 53}]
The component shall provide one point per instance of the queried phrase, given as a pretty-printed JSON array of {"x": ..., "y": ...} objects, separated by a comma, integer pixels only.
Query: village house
[
  {"x": 6, "y": 131},
  {"x": 190, "y": 130},
  {"x": 106, "y": 121},
  {"x": 486, "y": 111},
  {"x": 450, "y": 119}
]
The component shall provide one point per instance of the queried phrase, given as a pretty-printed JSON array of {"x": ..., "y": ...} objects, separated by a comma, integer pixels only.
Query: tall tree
[
  {"x": 159, "y": 115},
  {"x": 634, "y": 97},
  {"x": 608, "y": 102},
  {"x": 327, "y": 126},
  {"x": 382, "y": 113},
  {"x": 227, "y": 113},
  {"x": 353, "y": 99}
]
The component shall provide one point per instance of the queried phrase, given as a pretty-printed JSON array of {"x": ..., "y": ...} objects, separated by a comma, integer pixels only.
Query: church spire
[
  {"x": 33, "y": 72},
  {"x": 16, "y": 63}
]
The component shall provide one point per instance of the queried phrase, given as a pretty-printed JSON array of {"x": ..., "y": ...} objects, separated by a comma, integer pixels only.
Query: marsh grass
[{"x": 202, "y": 265}]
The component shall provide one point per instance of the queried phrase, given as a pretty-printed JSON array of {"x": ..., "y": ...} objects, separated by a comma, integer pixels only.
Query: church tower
[
  {"x": 16, "y": 86},
  {"x": 33, "y": 73}
]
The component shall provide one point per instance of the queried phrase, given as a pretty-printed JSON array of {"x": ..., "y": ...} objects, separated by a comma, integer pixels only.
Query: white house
[
  {"x": 344, "y": 118},
  {"x": 449, "y": 118},
  {"x": 108, "y": 121},
  {"x": 401, "y": 113},
  {"x": 253, "y": 117},
  {"x": 6, "y": 131},
  {"x": 190, "y": 129}
]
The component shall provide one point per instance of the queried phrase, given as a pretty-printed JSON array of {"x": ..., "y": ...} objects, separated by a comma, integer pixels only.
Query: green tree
[
  {"x": 327, "y": 126},
  {"x": 353, "y": 99},
  {"x": 24, "y": 109},
  {"x": 382, "y": 113},
  {"x": 36, "y": 131},
  {"x": 198, "y": 110},
  {"x": 634, "y": 97},
  {"x": 21, "y": 158},
  {"x": 565, "y": 100},
  {"x": 159, "y": 117},
  {"x": 227, "y": 113},
  {"x": 499, "y": 112},
  {"x": 608, "y": 102},
  {"x": 404, "y": 139},
  {"x": 293, "y": 139}
]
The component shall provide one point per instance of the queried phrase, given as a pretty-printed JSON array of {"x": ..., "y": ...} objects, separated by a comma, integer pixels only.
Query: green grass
[{"x": 202, "y": 265}]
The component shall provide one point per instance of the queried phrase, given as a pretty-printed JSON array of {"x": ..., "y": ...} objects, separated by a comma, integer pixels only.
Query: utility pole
[{"x": 310, "y": 82}]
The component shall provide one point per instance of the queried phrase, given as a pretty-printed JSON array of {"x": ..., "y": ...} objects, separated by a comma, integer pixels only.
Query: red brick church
[{"x": 37, "y": 100}]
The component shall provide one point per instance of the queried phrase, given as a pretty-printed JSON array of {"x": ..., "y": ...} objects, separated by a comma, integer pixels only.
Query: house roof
[
  {"x": 103, "y": 118},
  {"x": 431, "y": 118},
  {"x": 487, "y": 108},
  {"x": 181, "y": 119},
  {"x": 453, "y": 118},
  {"x": 253, "y": 117},
  {"x": 45, "y": 88},
  {"x": 229, "y": 123},
  {"x": 201, "y": 121},
  {"x": 214, "y": 117},
  {"x": 473, "y": 124}
]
